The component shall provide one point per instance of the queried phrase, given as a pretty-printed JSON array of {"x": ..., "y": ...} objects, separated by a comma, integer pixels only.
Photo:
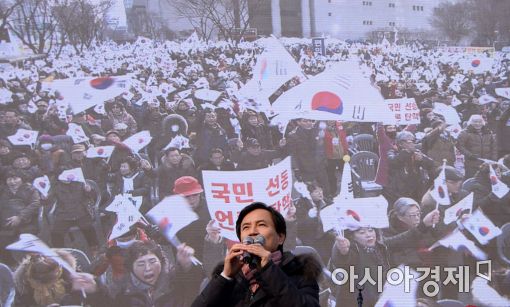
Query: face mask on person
[
  {"x": 125, "y": 244},
  {"x": 46, "y": 146}
]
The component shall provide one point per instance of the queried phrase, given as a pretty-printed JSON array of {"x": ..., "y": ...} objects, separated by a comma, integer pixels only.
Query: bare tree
[
  {"x": 145, "y": 23},
  {"x": 490, "y": 18},
  {"x": 452, "y": 19},
  {"x": 7, "y": 7},
  {"x": 80, "y": 22},
  {"x": 34, "y": 24},
  {"x": 229, "y": 18}
]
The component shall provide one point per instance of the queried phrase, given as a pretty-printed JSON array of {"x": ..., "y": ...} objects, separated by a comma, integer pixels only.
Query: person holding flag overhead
[
  {"x": 71, "y": 193},
  {"x": 363, "y": 247}
]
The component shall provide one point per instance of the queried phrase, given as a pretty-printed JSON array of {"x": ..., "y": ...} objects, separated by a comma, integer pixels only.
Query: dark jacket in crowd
[
  {"x": 247, "y": 161},
  {"x": 25, "y": 204},
  {"x": 168, "y": 174},
  {"x": 439, "y": 145},
  {"x": 193, "y": 234},
  {"x": 408, "y": 177},
  {"x": 496, "y": 209},
  {"x": 260, "y": 132},
  {"x": 141, "y": 187},
  {"x": 292, "y": 283},
  {"x": 209, "y": 138},
  {"x": 71, "y": 201},
  {"x": 476, "y": 145},
  {"x": 310, "y": 229},
  {"x": 308, "y": 153},
  {"x": 503, "y": 133},
  {"x": 409, "y": 253}
]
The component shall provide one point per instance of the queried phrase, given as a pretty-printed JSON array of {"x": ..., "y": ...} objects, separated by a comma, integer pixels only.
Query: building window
[
  {"x": 329, "y": 1},
  {"x": 367, "y": 3},
  {"x": 418, "y": 8},
  {"x": 367, "y": 22},
  {"x": 329, "y": 14},
  {"x": 391, "y": 23},
  {"x": 391, "y": 5}
]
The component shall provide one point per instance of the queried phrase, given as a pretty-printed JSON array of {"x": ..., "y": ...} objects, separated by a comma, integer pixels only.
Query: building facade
[{"x": 346, "y": 19}]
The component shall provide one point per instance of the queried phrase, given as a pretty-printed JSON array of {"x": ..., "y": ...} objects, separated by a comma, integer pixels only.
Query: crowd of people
[{"x": 229, "y": 133}]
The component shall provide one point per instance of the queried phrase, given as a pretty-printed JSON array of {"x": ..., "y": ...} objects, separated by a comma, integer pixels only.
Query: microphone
[{"x": 248, "y": 258}]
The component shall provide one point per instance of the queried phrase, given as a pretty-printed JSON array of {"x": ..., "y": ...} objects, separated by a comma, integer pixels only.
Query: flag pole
[{"x": 437, "y": 203}]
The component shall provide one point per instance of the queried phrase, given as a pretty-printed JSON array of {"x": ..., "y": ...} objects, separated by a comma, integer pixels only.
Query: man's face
[
  {"x": 260, "y": 222},
  {"x": 183, "y": 106},
  {"x": 306, "y": 123},
  {"x": 147, "y": 268},
  {"x": 42, "y": 108},
  {"x": 254, "y": 150},
  {"x": 22, "y": 162},
  {"x": 14, "y": 182},
  {"x": 411, "y": 217},
  {"x": 453, "y": 186},
  {"x": 174, "y": 157},
  {"x": 477, "y": 123},
  {"x": 4, "y": 150},
  {"x": 125, "y": 169},
  {"x": 217, "y": 159},
  {"x": 113, "y": 138},
  {"x": 193, "y": 200},
  {"x": 11, "y": 118},
  {"x": 253, "y": 120},
  {"x": 116, "y": 109},
  {"x": 210, "y": 119},
  {"x": 408, "y": 144},
  {"x": 317, "y": 194},
  {"x": 78, "y": 155}
]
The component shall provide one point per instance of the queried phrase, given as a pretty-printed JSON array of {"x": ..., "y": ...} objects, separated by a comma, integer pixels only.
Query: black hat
[{"x": 451, "y": 173}]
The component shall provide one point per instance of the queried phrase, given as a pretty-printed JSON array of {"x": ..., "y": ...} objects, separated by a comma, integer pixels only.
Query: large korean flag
[
  {"x": 341, "y": 92},
  {"x": 477, "y": 64},
  {"x": 84, "y": 93}
]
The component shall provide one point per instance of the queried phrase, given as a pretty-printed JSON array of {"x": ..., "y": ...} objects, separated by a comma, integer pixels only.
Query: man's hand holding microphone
[{"x": 251, "y": 252}]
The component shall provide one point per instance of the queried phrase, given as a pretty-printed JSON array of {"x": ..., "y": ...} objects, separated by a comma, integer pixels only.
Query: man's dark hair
[
  {"x": 215, "y": 151},
  {"x": 142, "y": 248},
  {"x": 170, "y": 149},
  {"x": 278, "y": 220}
]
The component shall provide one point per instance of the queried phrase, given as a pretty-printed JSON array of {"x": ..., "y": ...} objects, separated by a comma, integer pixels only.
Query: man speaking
[{"x": 258, "y": 272}]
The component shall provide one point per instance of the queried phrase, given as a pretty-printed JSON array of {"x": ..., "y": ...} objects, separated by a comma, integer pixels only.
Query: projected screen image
[{"x": 133, "y": 135}]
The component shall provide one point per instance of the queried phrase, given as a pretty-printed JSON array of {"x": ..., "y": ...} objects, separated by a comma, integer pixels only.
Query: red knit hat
[{"x": 187, "y": 185}]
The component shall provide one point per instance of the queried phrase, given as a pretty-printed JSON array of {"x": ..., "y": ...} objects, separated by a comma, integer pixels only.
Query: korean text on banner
[
  {"x": 405, "y": 109},
  {"x": 228, "y": 193}
]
